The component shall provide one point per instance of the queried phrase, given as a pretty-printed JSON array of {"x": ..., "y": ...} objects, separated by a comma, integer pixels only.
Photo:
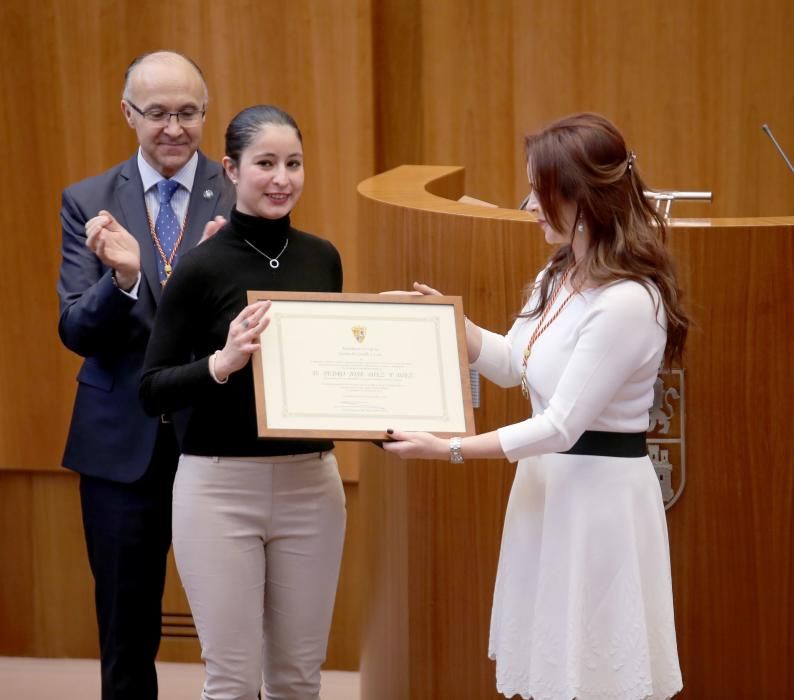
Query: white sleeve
[
  {"x": 618, "y": 335},
  {"x": 495, "y": 359}
]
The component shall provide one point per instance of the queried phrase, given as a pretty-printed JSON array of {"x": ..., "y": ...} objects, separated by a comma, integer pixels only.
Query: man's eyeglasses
[{"x": 186, "y": 117}]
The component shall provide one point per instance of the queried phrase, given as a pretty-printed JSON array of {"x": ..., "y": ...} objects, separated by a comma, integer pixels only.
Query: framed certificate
[{"x": 349, "y": 366}]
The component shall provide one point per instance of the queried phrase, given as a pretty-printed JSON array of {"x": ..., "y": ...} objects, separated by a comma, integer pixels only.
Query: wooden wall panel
[
  {"x": 61, "y": 78},
  {"x": 732, "y": 531},
  {"x": 688, "y": 83},
  {"x": 469, "y": 93},
  {"x": 397, "y": 75},
  {"x": 46, "y": 589},
  {"x": 374, "y": 84},
  {"x": 60, "y": 122},
  {"x": 16, "y": 562},
  {"x": 46, "y": 592}
]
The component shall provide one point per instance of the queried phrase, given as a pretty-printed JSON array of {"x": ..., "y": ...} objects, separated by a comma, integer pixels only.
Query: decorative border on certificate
[{"x": 349, "y": 366}]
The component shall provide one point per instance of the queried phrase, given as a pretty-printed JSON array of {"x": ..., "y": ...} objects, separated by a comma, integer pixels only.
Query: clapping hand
[
  {"x": 114, "y": 246},
  {"x": 212, "y": 227}
]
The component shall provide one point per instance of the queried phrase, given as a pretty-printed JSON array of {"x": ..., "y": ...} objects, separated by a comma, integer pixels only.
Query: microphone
[{"x": 765, "y": 128}]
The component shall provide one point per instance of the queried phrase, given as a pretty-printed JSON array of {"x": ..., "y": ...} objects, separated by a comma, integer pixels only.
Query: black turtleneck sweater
[{"x": 206, "y": 291}]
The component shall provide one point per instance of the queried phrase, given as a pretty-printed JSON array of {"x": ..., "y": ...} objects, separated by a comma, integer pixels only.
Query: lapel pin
[{"x": 207, "y": 194}]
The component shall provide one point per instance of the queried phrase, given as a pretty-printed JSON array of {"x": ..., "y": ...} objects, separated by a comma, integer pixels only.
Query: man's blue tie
[{"x": 166, "y": 227}]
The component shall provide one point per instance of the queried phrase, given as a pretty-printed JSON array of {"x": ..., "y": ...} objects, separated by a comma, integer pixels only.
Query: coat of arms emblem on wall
[{"x": 666, "y": 433}]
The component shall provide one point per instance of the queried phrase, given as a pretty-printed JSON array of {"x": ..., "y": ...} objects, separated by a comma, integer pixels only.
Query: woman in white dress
[{"x": 583, "y": 602}]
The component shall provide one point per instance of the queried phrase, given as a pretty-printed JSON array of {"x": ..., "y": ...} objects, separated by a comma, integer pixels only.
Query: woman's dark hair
[
  {"x": 245, "y": 125},
  {"x": 582, "y": 159}
]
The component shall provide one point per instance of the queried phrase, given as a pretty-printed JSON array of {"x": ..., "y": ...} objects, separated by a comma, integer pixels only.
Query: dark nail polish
[{"x": 390, "y": 431}]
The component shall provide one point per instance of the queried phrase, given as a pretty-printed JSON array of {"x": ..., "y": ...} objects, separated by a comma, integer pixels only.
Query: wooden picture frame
[{"x": 350, "y": 366}]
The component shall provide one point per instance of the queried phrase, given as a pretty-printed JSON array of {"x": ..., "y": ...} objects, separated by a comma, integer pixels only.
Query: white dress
[{"x": 583, "y": 602}]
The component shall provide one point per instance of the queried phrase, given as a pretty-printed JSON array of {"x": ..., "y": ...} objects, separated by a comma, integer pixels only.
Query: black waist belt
[{"x": 603, "y": 444}]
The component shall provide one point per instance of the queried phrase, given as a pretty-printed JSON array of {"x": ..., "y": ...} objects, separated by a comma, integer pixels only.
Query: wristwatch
[{"x": 455, "y": 454}]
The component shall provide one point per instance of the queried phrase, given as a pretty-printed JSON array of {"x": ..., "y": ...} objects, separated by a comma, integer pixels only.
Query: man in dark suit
[{"x": 123, "y": 232}]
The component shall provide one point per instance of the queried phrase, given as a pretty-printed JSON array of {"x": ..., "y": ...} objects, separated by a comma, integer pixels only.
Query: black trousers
[{"x": 128, "y": 534}]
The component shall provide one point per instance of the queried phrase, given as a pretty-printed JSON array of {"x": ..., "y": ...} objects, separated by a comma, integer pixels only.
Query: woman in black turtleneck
[{"x": 258, "y": 525}]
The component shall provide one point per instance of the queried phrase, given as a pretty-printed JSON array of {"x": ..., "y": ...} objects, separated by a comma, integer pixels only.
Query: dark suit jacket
[{"x": 110, "y": 435}]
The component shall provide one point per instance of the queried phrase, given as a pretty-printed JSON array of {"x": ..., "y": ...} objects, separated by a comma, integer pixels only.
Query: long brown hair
[{"x": 583, "y": 159}]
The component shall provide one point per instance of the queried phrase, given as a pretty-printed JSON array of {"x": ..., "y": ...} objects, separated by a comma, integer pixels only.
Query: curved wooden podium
[{"x": 431, "y": 530}]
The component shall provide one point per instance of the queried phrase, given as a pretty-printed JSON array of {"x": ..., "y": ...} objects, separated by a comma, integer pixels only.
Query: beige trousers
[{"x": 258, "y": 542}]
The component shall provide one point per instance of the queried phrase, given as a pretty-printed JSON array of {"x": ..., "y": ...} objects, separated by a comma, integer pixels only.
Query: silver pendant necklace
[{"x": 274, "y": 263}]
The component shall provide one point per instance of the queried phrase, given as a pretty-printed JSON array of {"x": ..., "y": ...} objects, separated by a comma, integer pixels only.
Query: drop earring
[{"x": 580, "y": 226}]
